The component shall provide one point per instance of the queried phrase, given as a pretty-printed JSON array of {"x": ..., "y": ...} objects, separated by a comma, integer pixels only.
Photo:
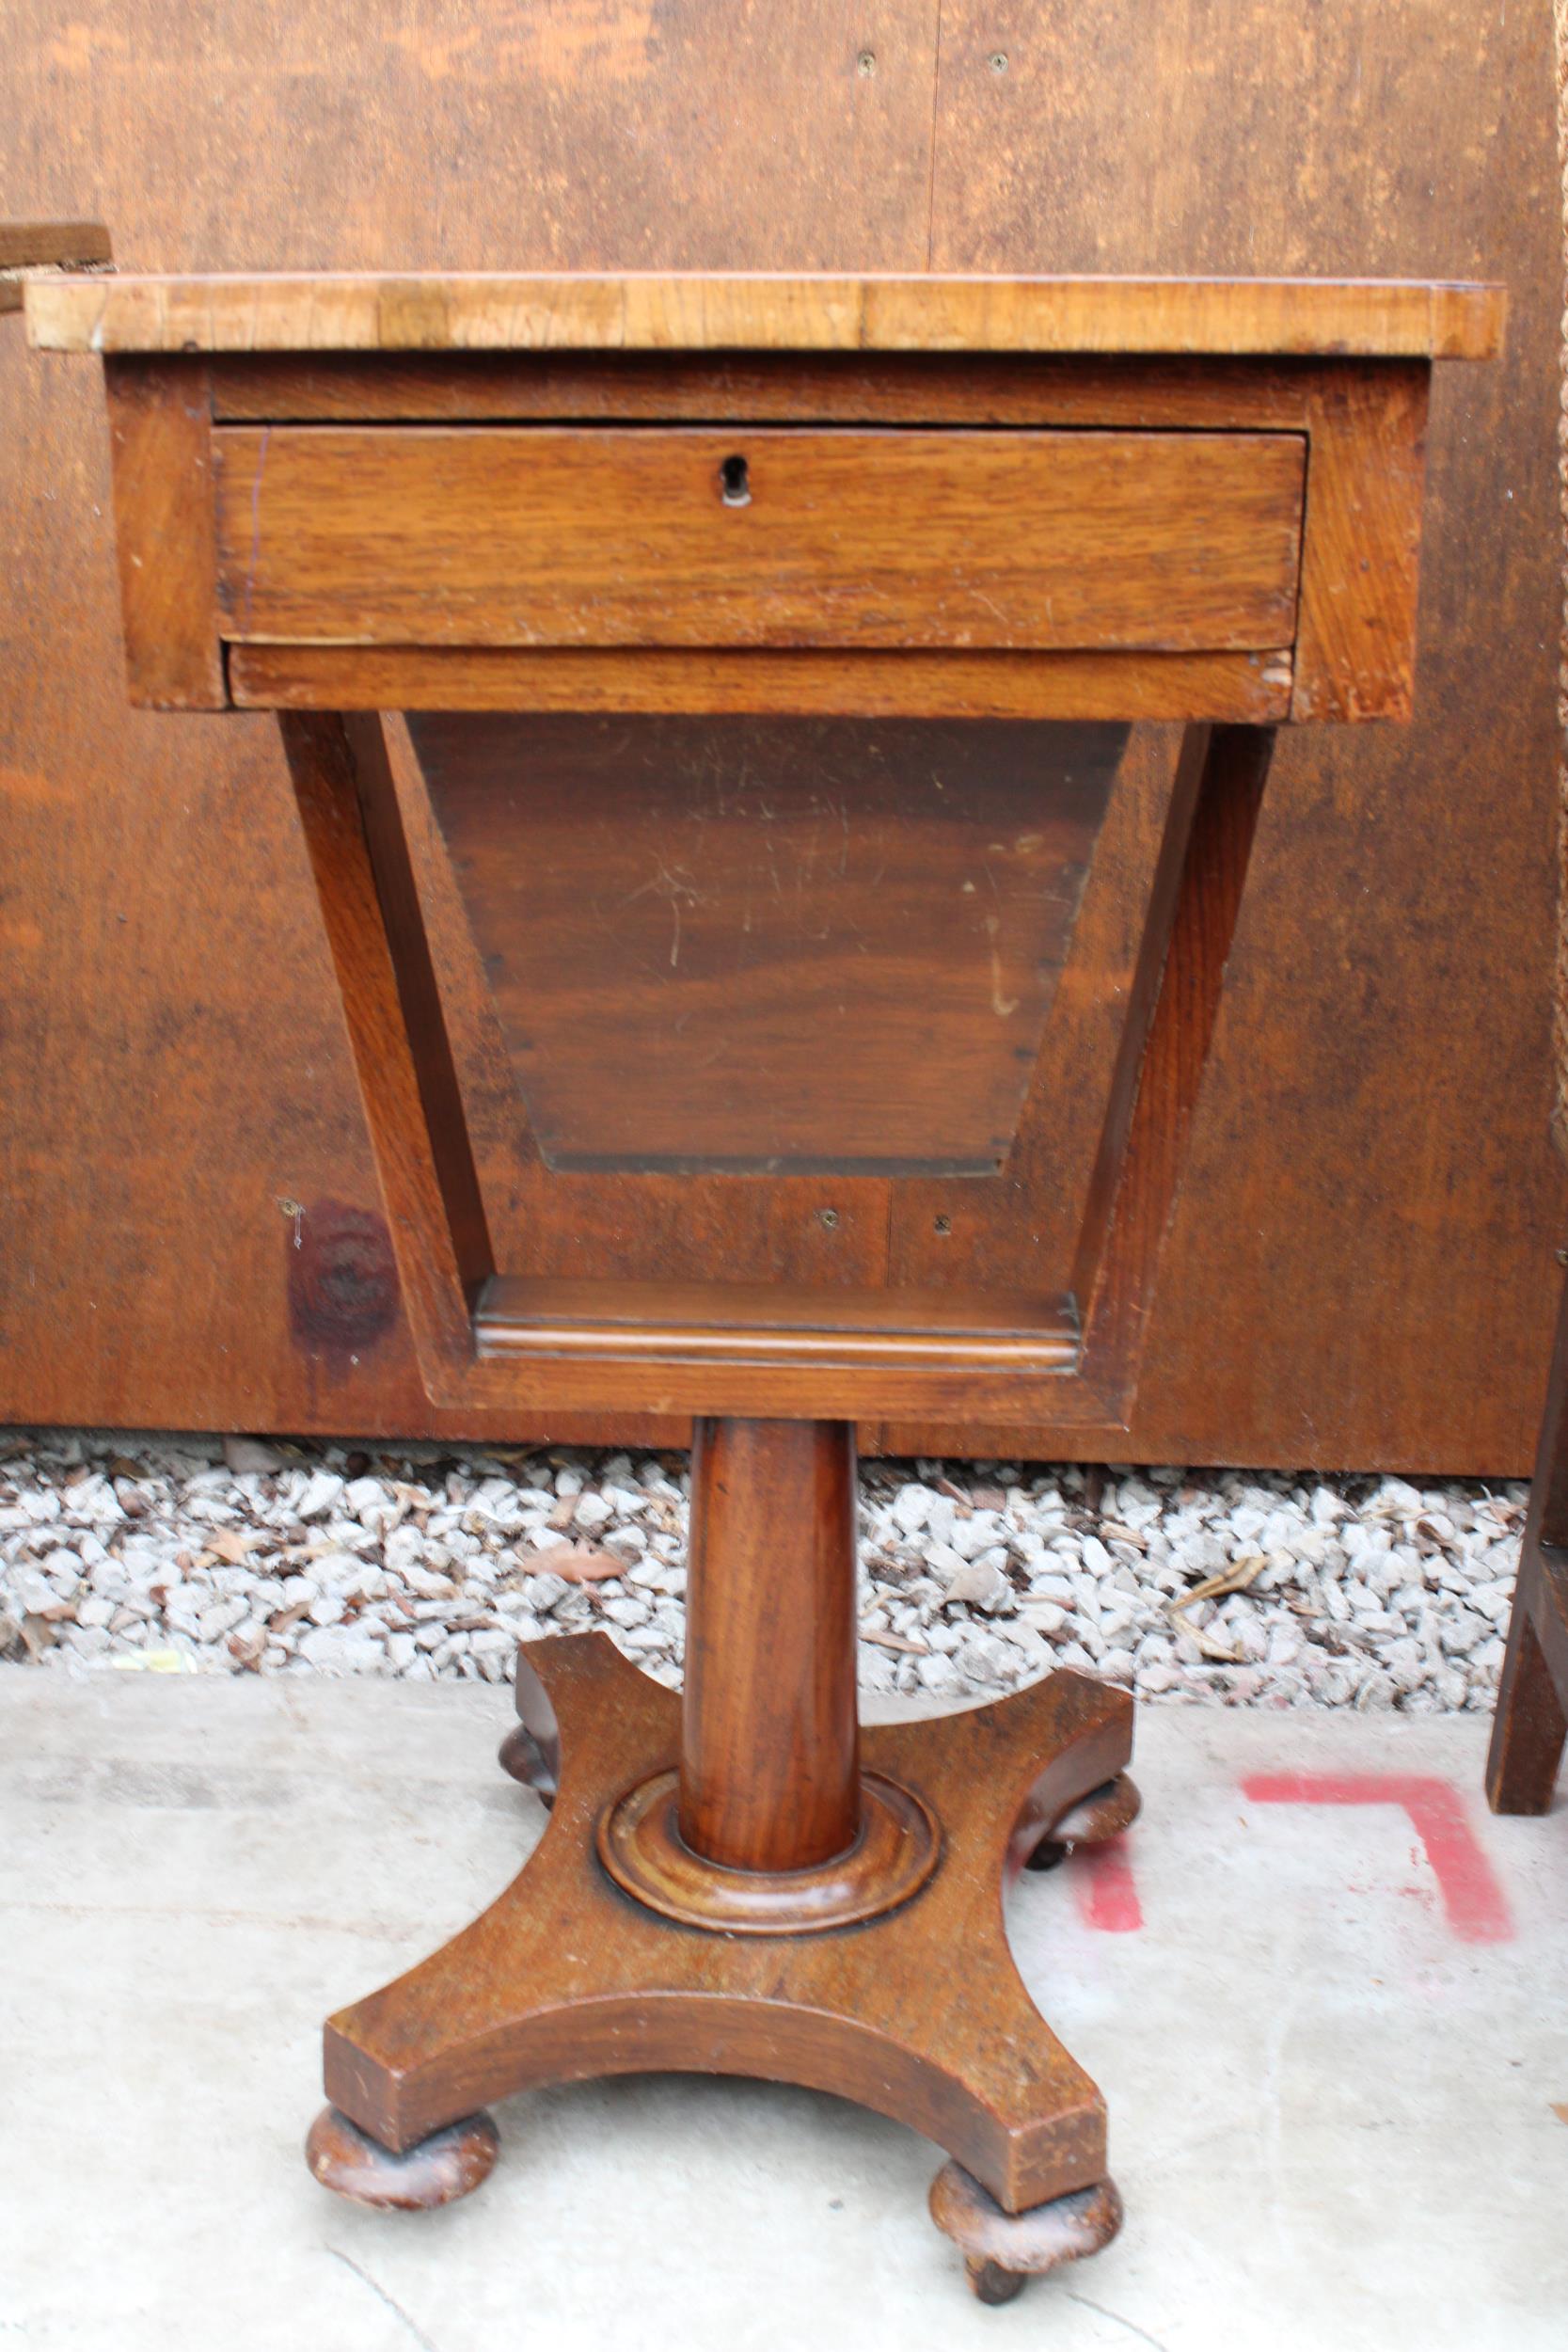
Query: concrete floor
[{"x": 1325, "y": 1995}]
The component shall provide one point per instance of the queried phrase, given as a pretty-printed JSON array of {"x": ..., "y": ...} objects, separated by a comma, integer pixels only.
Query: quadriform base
[{"x": 569, "y": 1976}]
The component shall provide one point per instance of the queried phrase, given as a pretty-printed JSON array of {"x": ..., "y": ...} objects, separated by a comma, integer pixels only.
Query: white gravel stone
[
  {"x": 982, "y": 1583},
  {"x": 334, "y": 1650},
  {"x": 277, "y": 1557},
  {"x": 939, "y": 1674},
  {"x": 318, "y": 1494},
  {"x": 910, "y": 1507},
  {"x": 545, "y": 1592},
  {"x": 248, "y": 1456},
  {"x": 433, "y": 1584}
]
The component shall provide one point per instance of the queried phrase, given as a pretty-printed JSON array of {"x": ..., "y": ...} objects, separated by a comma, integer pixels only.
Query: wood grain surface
[
  {"x": 161, "y": 433},
  {"x": 562, "y": 1979},
  {"x": 47, "y": 243},
  {"x": 815, "y": 1331},
  {"x": 770, "y": 1768},
  {"x": 762, "y": 388},
  {"x": 551, "y": 536},
  {"x": 712, "y": 682},
  {"x": 681, "y": 922},
  {"x": 53, "y": 243},
  {"x": 766, "y": 312},
  {"x": 1363, "y": 553},
  {"x": 1359, "y": 1270}
]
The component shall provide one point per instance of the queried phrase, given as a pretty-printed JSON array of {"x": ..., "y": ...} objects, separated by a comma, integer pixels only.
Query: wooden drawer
[{"x": 777, "y": 536}]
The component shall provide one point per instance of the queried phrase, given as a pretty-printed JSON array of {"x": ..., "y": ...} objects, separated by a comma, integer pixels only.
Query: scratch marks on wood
[
  {"x": 1004, "y": 1007},
  {"x": 673, "y": 886},
  {"x": 684, "y": 923}
]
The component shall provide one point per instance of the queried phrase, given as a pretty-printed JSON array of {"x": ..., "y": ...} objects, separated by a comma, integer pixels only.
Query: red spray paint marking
[
  {"x": 1106, "y": 1889},
  {"x": 1476, "y": 1906}
]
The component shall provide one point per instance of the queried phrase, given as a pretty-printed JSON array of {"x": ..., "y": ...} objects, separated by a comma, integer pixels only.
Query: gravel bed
[{"x": 1244, "y": 1587}]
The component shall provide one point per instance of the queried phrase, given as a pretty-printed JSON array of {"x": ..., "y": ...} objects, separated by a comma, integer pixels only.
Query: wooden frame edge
[
  {"x": 166, "y": 537},
  {"x": 1252, "y": 687}
]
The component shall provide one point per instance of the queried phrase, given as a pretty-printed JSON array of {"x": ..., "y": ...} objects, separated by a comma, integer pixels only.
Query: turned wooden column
[{"x": 771, "y": 1745}]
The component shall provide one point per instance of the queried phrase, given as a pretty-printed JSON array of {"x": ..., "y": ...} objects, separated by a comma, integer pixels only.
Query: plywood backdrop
[{"x": 1362, "y": 1270}]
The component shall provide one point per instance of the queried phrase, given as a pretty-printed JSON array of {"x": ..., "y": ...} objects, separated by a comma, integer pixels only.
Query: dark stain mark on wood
[{"x": 342, "y": 1279}]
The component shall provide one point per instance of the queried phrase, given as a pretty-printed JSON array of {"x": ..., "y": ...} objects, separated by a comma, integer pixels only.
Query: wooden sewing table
[{"x": 767, "y": 649}]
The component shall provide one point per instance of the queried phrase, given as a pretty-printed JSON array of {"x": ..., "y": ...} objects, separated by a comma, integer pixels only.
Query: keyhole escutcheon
[{"x": 735, "y": 482}]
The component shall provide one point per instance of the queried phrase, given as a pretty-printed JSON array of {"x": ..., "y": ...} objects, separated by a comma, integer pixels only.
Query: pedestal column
[{"x": 769, "y": 1775}]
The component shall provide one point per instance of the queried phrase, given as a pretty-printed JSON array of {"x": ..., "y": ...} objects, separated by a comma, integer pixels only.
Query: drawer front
[{"x": 543, "y": 536}]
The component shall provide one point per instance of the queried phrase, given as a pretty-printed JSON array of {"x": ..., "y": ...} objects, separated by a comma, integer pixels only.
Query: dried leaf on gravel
[
  {"x": 38, "y": 1635},
  {"x": 1234, "y": 1579},
  {"x": 577, "y": 1563},
  {"x": 230, "y": 1545}
]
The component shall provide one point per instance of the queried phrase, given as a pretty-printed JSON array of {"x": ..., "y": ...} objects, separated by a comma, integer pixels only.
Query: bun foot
[
  {"x": 530, "y": 1751},
  {"x": 992, "y": 2283},
  {"x": 521, "y": 1755},
  {"x": 1104, "y": 1813},
  {"x": 435, "y": 2171},
  {"x": 1001, "y": 2250}
]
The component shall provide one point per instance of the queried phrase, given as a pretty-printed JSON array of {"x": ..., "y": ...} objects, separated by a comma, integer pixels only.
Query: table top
[{"x": 1363, "y": 318}]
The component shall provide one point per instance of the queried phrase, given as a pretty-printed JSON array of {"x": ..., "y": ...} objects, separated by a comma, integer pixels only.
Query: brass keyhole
[{"x": 734, "y": 485}]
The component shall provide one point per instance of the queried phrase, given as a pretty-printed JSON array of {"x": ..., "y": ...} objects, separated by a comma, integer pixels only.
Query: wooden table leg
[
  {"x": 1531, "y": 1724},
  {"x": 747, "y": 1883}
]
